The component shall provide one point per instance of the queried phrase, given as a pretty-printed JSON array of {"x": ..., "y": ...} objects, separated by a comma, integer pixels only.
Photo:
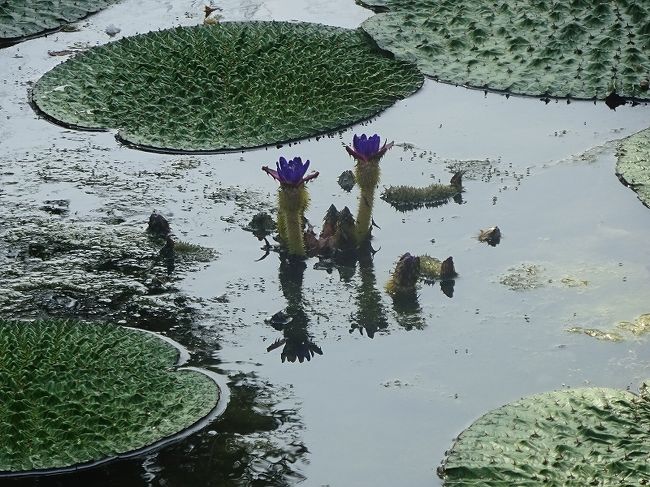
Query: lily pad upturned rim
[
  {"x": 182, "y": 357},
  {"x": 625, "y": 172},
  {"x": 470, "y": 465},
  {"x": 413, "y": 79},
  {"x": 382, "y": 8}
]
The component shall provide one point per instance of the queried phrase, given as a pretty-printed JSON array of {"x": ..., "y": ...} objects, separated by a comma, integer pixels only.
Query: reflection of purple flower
[
  {"x": 291, "y": 173},
  {"x": 366, "y": 149}
]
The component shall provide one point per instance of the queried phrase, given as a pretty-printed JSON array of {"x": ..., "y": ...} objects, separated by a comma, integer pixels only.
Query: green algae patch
[
  {"x": 624, "y": 330},
  {"x": 22, "y": 19},
  {"x": 524, "y": 277},
  {"x": 223, "y": 87},
  {"x": 589, "y": 436},
  {"x": 609, "y": 336},
  {"x": 78, "y": 269},
  {"x": 75, "y": 394},
  {"x": 578, "y": 49},
  {"x": 633, "y": 166}
]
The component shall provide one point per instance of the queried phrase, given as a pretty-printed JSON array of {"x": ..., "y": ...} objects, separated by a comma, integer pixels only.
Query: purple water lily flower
[
  {"x": 291, "y": 173},
  {"x": 366, "y": 149}
]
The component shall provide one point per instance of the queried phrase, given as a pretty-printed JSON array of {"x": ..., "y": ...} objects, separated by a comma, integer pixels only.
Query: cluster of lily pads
[{"x": 247, "y": 84}]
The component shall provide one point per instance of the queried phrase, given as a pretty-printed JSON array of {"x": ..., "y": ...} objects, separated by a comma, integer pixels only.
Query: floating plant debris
[
  {"x": 589, "y": 436},
  {"x": 633, "y": 166},
  {"x": 491, "y": 236},
  {"x": 76, "y": 393},
  {"x": 524, "y": 277},
  {"x": 346, "y": 180},
  {"x": 577, "y": 49},
  {"x": 228, "y": 86},
  {"x": 623, "y": 330},
  {"x": 22, "y": 19}
]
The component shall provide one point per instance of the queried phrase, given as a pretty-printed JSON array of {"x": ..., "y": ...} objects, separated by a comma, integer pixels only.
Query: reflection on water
[
  {"x": 408, "y": 311},
  {"x": 371, "y": 314},
  {"x": 296, "y": 342},
  {"x": 447, "y": 287},
  {"x": 254, "y": 442}
]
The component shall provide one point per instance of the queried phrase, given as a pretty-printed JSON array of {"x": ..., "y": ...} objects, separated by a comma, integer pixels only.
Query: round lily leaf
[
  {"x": 577, "y": 48},
  {"x": 633, "y": 166},
  {"x": 228, "y": 86},
  {"x": 77, "y": 394},
  {"x": 22, "y": 19},
  {"x": 590, "y": 436}
]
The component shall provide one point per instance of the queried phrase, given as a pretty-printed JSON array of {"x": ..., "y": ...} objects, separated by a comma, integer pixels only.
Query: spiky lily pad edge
[
  {"x": 223, "y": 392},
  {"x": 631, "y": 100},
  {"x": 162, "y": 150}
]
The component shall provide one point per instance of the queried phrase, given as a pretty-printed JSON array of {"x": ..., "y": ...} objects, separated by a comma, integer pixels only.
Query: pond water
[{"x": 395, "y": 384}]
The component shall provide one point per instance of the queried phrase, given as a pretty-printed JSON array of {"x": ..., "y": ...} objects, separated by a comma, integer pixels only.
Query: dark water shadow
[{"x": 293, "y": 322}]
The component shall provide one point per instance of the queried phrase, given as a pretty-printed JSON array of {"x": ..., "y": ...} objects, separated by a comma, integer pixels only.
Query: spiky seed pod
[
  {"x": 405, "y": 276},
  {"x": 345, "y": 236},
  {"x": 329, "y": 222},
  {"x": 447, "y": 270}
]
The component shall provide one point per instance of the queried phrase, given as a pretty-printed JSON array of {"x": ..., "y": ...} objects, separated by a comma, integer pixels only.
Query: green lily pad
[
  {"x": 78, "y": 394},
  {"x": 22, "y": 19},
  {"x": 590, "y": 436},
  {"x": 228, "y": 86},
  {"x": 577, "y": 49},
  {"x": 633, "y": 166}
]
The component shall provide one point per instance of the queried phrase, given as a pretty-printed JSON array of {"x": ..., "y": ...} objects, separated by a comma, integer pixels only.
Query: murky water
[{"x": 376, "y": 411}]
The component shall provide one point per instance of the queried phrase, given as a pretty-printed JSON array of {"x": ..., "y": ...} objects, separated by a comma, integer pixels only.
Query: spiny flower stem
[
  {"x": 367, "y": 177},
  {"x": 292, "y": 203}
]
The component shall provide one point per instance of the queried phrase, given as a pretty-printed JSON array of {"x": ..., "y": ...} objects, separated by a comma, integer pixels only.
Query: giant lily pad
[
  {"x": 577, "y": 48},
  {"x": 590, "y": 436},
  {"x": 633, "y": 166},
  {"x": 227, "y": 86},
  {"x": 22, "y": 19},
  {"x": 77, "y": 394}
]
